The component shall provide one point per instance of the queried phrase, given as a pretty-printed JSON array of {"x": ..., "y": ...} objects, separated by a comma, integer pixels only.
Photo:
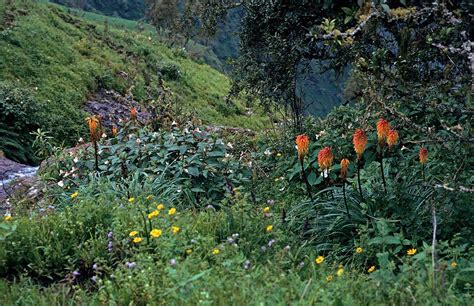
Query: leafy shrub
[
  {"x": 170, "y": 71},
  {"x": 195, "y": 159},
  {"x": 18, "y": 117}
]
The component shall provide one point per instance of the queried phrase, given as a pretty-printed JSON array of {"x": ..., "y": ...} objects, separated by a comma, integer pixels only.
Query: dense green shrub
[
  {"x": 18, "y": 117},
  {"x": 198, "y": 161},
  {"x": 170, "y": 71}
]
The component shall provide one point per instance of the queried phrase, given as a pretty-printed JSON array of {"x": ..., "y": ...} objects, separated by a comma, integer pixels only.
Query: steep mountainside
[{"x": 320, "y": 92}]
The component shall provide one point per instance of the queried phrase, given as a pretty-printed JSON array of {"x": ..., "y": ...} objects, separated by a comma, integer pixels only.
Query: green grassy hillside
[{"x": 58, "y": 59}]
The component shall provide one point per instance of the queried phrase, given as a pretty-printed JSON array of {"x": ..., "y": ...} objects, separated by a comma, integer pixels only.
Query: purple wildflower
[
  {"x": 131, "y": 265},
  {"x": 94, "y": 278},
  {"x": 76, "y": 273},
  {"x": 173, "y": 262}
]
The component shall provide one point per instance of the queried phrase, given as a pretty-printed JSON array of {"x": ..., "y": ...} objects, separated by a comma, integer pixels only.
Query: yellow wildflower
[
  {"x": 411, "y": 252},
  {"x": 137, "y": 240},
  {"x": 216, "y": 251},
  {"x": 454, "y": 264},
  {"x": 133, "y": 233},
  {"x": 149, "y": 197},
  {"x": 155, "y": 233},
  {"x": 329, "y": 278},
  {"x": 172, "y": 211},
  {"x": 371, "y": 269},
  {"x": 189, "y": 251},
  {"x": 131, "y": 200},
  {"x": 74, "y": 195},
  {"x": 160, "y": 206},
  {"x": 359, "y": 250},
  {"x": 319, "y": 260},
  {"x": 269, "y": 228},
  {"x": 7, "y": 217},
  {"x": 340, "y": 271},
  {"x": 174, "y": 229},
  {"x": 278, "y": 154},
  {"x": 153, "y": 214},
  {"x": 266, "y": 209}
]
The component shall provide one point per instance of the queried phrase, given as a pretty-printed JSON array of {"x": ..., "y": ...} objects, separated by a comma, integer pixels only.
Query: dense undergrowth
[
  {"x": 57, "y": 59},
  {"x": 180, "y": 216}
]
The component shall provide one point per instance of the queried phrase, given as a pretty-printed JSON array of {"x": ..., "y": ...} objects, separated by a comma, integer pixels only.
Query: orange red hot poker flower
[
  {"x": 325, "y": 158},
  {"x": 383, "y": 127},
  {"x": 360, "y": 141},
  {"x": 344, "y": 167},
  {"x": 392, "y": 138},
  {"x": 93, "y": 124},
  {"x": 133, "y": 114},
  {"x": 423, "y": 155},
  {"x": 302, "y": 145}
]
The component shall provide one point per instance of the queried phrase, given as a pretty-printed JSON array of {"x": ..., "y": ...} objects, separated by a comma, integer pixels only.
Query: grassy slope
[{"x": 62, "y": 57}]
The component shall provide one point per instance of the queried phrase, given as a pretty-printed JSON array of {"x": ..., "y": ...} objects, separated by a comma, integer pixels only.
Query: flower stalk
[
  {"x": 344, "y": 168},
  {"x": 423, "y": 156},
  {"x": 93, "y": 123},
  {"x": 383, "y": 129},
  {"x": 360, "y": 141},
  {"x": 382, "y": 172}
]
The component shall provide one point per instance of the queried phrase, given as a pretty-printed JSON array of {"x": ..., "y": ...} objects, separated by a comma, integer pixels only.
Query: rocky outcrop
[{"x": 113, "y": 108}]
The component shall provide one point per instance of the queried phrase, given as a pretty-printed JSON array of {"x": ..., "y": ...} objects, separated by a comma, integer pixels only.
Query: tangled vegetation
[{"x": 371, "y": 205}]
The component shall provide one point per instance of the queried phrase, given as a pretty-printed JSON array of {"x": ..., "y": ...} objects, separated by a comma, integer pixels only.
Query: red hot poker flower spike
[
  {"x": 383, "y": 127},
  {"x": 302, "y": 145},
  {"x": 133, "y": 114},
  {"x": 392, "y": 138},
  {"x": 423, "y": 155},
  {"x": 344, "y": 167},
  {"x": 325, "y": 158},
  {"x": 360, "y": 141}
]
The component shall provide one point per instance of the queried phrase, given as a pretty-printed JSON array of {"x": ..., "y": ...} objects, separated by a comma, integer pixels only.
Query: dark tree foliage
[{"x": 394, "y": 46}]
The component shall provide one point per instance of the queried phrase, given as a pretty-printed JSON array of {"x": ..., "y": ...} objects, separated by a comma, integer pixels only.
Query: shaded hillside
[
  {"x": 320, "y": 92},
  {"x": 51, "y": 61}
]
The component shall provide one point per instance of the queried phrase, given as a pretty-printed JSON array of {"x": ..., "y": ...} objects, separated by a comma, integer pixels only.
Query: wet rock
[{"x": 17, "y": 180}]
